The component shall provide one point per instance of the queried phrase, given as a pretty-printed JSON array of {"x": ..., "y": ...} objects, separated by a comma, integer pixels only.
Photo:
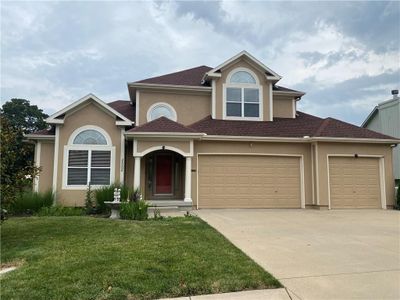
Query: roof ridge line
[
  {"x": 201, "y": 120},
  {"x": 321, "y": 127}
]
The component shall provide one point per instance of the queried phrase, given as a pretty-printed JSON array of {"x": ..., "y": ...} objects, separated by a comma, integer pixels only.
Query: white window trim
[
  {"x": 89, "y": 148},
  {"x": 89, "y": 127},
  {"x": 242, "y": 86},
  {"x": 230, "y": 74},
  {"x": 174, "y": 115}
]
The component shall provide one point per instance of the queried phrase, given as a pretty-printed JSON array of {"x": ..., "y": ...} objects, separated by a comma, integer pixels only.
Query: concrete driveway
[{"x": 337, "y": 254}]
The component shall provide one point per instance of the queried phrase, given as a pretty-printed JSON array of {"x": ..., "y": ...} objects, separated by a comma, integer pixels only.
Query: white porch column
[
  {"x": 188, "y": 180},
  {"x": 136, "y": 173}
]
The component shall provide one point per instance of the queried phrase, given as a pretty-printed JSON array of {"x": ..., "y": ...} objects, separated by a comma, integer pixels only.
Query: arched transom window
[
  {"x": 88, "y": 158},
  {"x": 161, "y": 109},
  {"x": 90, "y": 137},
  {"x": 242, "y": 95}
]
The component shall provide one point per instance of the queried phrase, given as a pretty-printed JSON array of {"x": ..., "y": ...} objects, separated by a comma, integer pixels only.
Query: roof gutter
[
  {"x": 170, "y": 87},
  {"x": 39, "y": 137},
  {"x": 305, "y": 139},
  {"x": 179, "y": 135}
]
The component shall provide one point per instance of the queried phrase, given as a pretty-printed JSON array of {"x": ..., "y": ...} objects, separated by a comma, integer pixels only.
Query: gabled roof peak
[
  {"x": 272, "y": 75},
  {"x": 55, "y": 118}
]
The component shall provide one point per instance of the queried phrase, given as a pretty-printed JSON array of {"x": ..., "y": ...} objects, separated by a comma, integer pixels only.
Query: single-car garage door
[
  {"x": 354, "y": 182},
  {"x": 240, "y": 181}
]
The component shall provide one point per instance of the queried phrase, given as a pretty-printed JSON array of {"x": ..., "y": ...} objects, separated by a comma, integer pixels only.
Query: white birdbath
[{"x": 115, "y": 205}]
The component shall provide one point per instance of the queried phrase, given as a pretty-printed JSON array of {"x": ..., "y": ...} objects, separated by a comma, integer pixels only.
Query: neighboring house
[
  {"x": 385, "y": 118},
  {"x": 222, "y": 137}
]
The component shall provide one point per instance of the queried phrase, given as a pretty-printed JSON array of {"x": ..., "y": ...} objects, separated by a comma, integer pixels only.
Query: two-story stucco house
[
  {"x": 385, "y": 118},
  {"x": 223, "y": 137}
]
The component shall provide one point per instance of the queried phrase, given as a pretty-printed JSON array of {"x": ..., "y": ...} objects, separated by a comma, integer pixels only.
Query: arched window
[
  {"x": 161, "y": 109},
  {"x": 90, "y": 137},
  {"x": 242, "y": 95},
  {"x": 242, "y": 77},
  {"x": 89, "y": 158}
]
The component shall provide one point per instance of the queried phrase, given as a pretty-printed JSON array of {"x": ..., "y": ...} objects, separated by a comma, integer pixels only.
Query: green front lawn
[{"x": 93, "y": 258}]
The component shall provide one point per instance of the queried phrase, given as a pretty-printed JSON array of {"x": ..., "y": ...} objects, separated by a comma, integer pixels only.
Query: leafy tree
[
  {"x": 22, "y": 115},
  {"x": 17, "y": 171}
]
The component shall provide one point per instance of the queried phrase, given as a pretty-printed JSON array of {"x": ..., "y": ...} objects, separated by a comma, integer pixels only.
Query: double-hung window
[
  {"x": 89, "y": 159},
  {"x": 242, "y": 96}
]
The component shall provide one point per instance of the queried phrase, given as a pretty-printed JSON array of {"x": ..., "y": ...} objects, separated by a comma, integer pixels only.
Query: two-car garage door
[
  {"x": 354, "y": 182},
  {"x": 245, "y": 181}
]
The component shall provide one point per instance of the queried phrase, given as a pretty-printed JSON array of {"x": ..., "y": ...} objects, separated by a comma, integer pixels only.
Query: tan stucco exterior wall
[
  {"x": 189, "y": 107},
  {"x": 90, "y": 114},
  {"x": 283, "y": 106},
  {"x": 353, "y": 148},
  {"x": 251, "y": 148},
  {"x": 261, "y": 78},
  {"x": 46, "y": 165}
]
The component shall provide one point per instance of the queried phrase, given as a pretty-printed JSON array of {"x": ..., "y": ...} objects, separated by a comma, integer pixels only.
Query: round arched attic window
[
  {"x": 90, "y": 137},
  {"x": 161, "y": 110},
  {"x": 242, "y": 77}
]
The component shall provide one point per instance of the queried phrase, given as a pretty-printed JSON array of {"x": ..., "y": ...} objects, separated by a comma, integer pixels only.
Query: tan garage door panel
[
  {"x": 228, "y": 181},
  {"x": 354, "y": 182}
]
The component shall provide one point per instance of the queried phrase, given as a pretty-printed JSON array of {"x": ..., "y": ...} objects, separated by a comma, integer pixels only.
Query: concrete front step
[{"x": 170, "y": 204}]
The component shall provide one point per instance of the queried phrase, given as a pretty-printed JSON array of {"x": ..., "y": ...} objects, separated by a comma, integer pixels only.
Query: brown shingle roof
[
  {"x": 335, "y": 128},
  {"x": 190, "y": 77},
  {"x": 124, "y": 107},
  {"x": 284, "y": 89},
  {"x": 50, "y": 131},
  {"x": 303, "y": 125},
  {"x": 162, "y": 124}
]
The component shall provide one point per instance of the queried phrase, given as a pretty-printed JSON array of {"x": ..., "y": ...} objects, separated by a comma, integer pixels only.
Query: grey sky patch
[{"x": 56, "y": 52}]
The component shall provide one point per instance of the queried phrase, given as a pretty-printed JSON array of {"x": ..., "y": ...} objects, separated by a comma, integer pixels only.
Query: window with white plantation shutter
[
  {"x": 78, "y": 167},
  {"x": 82, "y": 170},
  {"x": 100, "y": 167},
  {"x": 89, "y": 159}
]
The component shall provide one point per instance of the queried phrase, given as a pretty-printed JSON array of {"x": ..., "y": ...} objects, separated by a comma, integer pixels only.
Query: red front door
[{"x": 163, "y": 174}]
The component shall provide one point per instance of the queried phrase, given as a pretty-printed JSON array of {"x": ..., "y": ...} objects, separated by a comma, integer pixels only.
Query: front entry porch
[{"x": 163, "y": 174}]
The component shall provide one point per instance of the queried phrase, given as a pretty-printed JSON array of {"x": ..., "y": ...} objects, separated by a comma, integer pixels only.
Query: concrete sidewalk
[{"x": 271, "y": 294}]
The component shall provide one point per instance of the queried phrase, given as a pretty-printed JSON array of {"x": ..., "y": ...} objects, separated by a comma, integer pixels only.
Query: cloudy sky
[{"x": 345, "y": 55}]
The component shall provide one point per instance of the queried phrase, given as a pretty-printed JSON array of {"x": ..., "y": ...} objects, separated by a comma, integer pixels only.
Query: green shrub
[
  {"x": 106, "y": 193},
  {"x": 398, "y": 195},
  {"x": 134, "y": 210},
  {"x": 90, "y": 206},
  {"x": 61, "y": 211},
  {"x": 29, "y": 202}
]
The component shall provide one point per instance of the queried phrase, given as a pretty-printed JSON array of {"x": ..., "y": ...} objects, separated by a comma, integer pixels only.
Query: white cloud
[{"x": 55, "y": 53}]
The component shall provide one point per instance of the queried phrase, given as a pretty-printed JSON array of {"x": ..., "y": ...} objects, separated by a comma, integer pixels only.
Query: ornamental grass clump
[
  {"x": 135, "y": 208},
  {"x": 29, "y": 202}
]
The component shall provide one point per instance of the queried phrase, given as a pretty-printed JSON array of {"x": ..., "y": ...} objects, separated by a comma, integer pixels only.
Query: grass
[{"x": 93, "y": 258}]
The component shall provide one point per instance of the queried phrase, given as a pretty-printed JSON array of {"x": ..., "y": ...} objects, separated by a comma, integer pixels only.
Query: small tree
[{"x": 15, "y": 176}]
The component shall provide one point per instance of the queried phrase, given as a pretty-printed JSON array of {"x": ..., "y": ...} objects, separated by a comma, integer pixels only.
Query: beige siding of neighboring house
[
  {"x": 284, "y": 106},
  {"x": 90, "y": 114},
  {"x": 261, "y": 78},
  {"x": 249, "y": 148},
  {"x": 350, "y": 149},
  {"x": 189, "y": 107},
  {"x": 46, "y": 165}
]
